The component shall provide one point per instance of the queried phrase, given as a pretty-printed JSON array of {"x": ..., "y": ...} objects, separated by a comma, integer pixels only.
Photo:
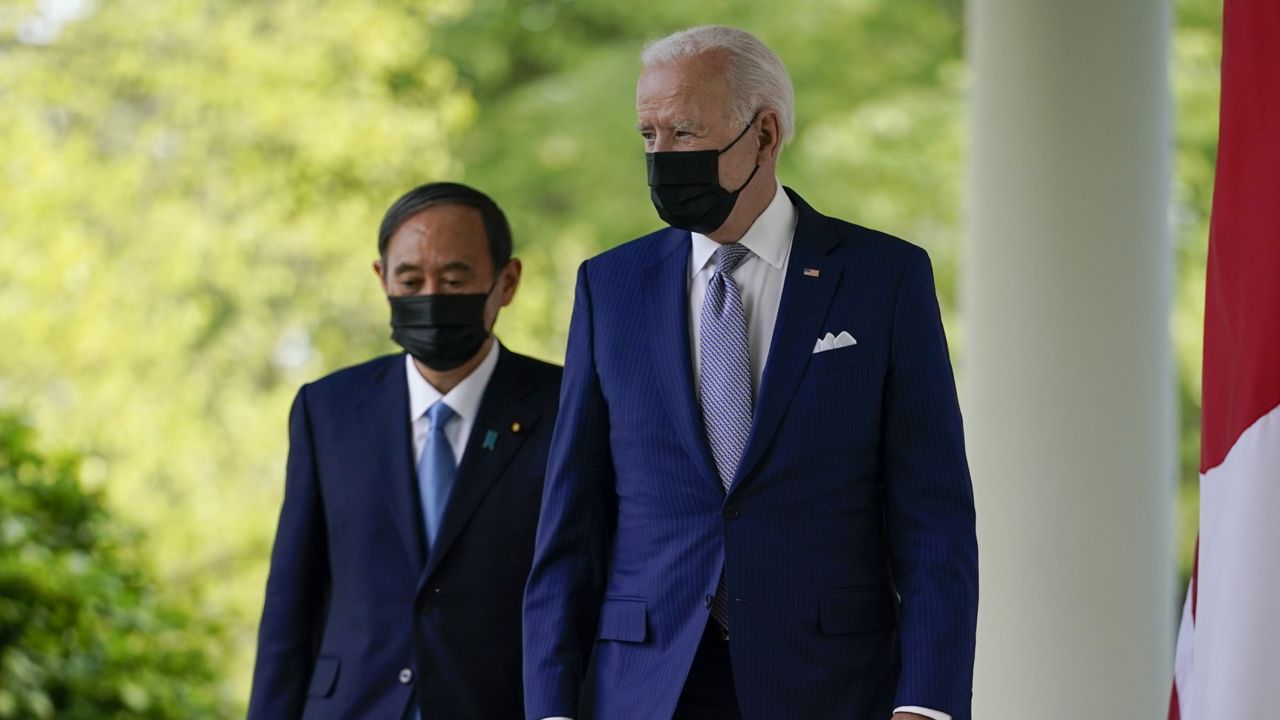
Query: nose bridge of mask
[
  {"x": 690, "y": 167},
  {"x": 441, "y": 309}
]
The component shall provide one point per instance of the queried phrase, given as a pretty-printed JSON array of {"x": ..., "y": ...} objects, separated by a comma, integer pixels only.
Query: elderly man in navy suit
[
  {"x": 412, "y": 492},
  {"x": 758, "y": 503}
]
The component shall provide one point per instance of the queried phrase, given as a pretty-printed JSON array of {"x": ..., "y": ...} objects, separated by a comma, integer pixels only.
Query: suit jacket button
[
  {"x": 731, "y": 512},
  {"x": 406, "y": 676}
]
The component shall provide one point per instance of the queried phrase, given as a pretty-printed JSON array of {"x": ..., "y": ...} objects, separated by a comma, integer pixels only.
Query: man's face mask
[
  {"x": 440, "y": 331},
  {"x": 685, "y": 187}
]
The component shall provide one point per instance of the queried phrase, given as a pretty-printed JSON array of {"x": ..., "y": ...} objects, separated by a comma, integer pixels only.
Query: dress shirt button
[
  {"x": 707, "y": 601},
  {"x": 731, "y": 512},
  {"x": 406, "y": 676}
]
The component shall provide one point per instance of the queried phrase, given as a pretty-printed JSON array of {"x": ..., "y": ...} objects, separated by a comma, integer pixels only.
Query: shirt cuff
[{"x": 933, "y": 714}]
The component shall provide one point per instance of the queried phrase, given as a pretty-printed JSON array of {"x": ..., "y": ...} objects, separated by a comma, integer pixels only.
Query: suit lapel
[
  {"x": 383, "y": 420},
  {"x": 801, "y": 314},
  {"x": 668, "y": 284},
  {"x": 502, "y": 423}
]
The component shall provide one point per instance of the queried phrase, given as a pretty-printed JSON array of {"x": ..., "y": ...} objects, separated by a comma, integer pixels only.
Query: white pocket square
[{"x": 833, "y": 342}]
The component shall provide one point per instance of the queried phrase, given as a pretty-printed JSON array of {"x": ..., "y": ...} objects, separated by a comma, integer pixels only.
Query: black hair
[{"x": 450, "y": 193}]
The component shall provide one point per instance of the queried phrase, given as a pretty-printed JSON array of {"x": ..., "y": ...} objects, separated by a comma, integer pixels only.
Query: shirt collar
[
  {"x": 769, "y": 237},
  {"x": 463, "y": 399}
]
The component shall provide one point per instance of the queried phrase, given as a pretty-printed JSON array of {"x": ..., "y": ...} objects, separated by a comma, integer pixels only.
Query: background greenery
[
  {"x": 190, "y": 193},
  {"x": 86, "y": 630}
]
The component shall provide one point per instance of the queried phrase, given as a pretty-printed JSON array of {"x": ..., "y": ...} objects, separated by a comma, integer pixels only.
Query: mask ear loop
[
  {"x": 751, "y": 122},
  {"x": 749, "y": 179},
  {"x": 752, "y": 176},
  {"x": 497, "y": 276}
]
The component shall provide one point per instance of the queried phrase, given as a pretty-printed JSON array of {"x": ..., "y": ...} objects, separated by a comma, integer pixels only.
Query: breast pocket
[{"x": 839, "y": 359}]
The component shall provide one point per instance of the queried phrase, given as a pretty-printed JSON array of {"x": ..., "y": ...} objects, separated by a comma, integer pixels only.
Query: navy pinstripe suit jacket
[{"x": 847, "y": 535}]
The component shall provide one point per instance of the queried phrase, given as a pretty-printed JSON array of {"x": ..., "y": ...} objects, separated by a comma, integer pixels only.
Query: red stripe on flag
[{"x": 1242, "y": 331}]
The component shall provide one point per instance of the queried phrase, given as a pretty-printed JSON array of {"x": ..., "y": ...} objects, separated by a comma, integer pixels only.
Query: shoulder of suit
[
  {"x": 877, "y": 245},
  {"x": 357, "y": 376},
  {"x": 542, "y": 378},
  {"x": 538, "y": 369},
  {"x": 635, "y": 253}
]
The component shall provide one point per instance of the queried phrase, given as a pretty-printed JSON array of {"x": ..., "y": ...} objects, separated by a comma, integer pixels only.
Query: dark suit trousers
[{"x": 708, "y": 690}]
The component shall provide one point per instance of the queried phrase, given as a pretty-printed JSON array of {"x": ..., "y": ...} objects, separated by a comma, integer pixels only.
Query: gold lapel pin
[
  {"x": 812, "y": 272},
  {"x": 516, "y": 427}
]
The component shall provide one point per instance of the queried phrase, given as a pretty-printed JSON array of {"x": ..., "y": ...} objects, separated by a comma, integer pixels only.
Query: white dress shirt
[
  {"x": 463, "y": 399},
  {"x": 760, "y": 278}
]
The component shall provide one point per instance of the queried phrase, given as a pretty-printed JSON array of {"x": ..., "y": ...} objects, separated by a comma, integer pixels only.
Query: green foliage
[
  {"x": 86, "y": 630},
  {"x": 191, "y": 196},
  {"x": 1197, "y": 53}
]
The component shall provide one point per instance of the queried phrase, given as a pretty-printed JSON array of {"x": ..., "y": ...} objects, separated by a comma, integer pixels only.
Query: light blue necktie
[
  {"x": 724, "y": 380},
  {"x": 437, "y": 470}
]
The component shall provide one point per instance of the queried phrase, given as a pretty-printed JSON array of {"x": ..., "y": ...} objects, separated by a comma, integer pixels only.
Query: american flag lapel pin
[{"x": 812, "y": 272}]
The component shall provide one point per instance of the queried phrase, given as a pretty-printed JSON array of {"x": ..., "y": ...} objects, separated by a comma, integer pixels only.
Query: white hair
[{"x": 757, "y": 78}]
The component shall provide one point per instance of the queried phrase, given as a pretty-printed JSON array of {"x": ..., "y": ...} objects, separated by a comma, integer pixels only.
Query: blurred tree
[
  {"x": 1196, "y": 72},
  {"x": 86, "y": 630},
  {"x": 191, "y": 196}
]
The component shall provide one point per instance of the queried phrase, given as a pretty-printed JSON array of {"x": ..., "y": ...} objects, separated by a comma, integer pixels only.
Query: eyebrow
[
  {"x": 685, "y": 125},
  {"x": 456, "y": 266}
]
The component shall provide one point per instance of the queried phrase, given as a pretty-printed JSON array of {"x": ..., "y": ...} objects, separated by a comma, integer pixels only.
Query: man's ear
[
  {"x": 382, "y": 277},
  {"x": 509, "y": 280},
  {"x": 769, "y": 139}
]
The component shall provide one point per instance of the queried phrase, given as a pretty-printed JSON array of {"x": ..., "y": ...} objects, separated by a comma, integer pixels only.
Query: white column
[{"x": 1067, "y": 376}]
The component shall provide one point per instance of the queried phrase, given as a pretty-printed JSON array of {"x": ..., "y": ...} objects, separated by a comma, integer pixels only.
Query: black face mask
[
  {"x": 685, "y": 187},
  {"x": 440, "y": 331}
]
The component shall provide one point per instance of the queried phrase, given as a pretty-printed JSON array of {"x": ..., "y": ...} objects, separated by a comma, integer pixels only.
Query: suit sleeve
[
  {"x": 563, "y": 593},
  {"x": 929, "y": 509},
  {"x": 293, "y": 613}
]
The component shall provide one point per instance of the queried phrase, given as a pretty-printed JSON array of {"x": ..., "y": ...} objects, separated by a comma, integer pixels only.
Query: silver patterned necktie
[{"x": 724, "y": 380}]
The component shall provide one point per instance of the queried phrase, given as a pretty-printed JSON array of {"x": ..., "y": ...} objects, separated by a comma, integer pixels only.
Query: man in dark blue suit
[
  {"x": 758, "y": 503},
  {"x": 412, "y": 493}
]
